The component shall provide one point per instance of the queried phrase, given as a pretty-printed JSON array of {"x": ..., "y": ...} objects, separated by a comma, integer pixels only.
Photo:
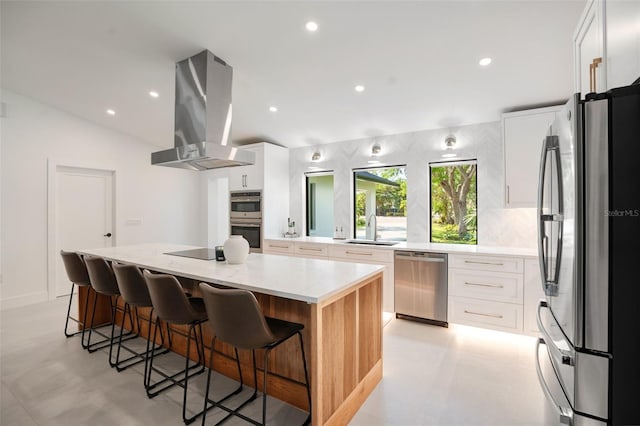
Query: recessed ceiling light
[
  {"x": 485, "y": 61},
  {"x": 373, "y": 161},
  {"x": 273, "y": 109},
  {"x": 111, "y": 112},
  {"x": 311, "y": 26},
  {"x": 449, "y": 155},
  {"x": 154, "y": 94},
  {"x": 359, "y": 88}
]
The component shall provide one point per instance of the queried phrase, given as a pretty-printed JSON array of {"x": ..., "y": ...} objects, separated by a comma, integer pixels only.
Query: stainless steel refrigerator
[{"x": 588, "y": 358}]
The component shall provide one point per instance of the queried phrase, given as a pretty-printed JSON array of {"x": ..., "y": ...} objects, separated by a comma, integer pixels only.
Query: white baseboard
[{"x": 23, "y": 300}]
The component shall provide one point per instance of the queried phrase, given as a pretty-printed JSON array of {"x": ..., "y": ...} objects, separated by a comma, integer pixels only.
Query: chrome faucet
[{"x": 372, "y": 216}]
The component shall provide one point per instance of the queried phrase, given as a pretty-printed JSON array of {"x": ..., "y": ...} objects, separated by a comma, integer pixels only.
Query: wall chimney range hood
[{"x": 203, "y": 117}]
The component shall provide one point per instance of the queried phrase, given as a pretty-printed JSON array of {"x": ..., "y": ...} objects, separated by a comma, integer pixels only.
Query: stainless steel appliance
[
  {"x": 588, "y": 358},
  {"x": 203, "y": 117},
  {"x": 245, "y": 205},
  {"x": 421, "y": 286},
  {"x": 245, "y": 217},
  {"x": 251, "y": 230}
]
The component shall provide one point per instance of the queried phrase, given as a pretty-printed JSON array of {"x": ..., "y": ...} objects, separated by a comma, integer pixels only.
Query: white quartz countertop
[
  {"x": 307, "y": 280},
  {"x": 431, "y": 247}
]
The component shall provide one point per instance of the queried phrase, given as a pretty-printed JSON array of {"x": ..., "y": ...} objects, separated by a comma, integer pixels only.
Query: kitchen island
[{"x": 338, "y": 303}]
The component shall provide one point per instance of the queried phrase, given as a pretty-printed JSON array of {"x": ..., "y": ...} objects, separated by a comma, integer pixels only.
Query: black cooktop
[{"x": 200, "y": 253}]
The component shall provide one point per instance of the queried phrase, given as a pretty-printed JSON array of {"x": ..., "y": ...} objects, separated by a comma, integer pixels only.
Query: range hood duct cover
[{"x": 203, "y": 117}]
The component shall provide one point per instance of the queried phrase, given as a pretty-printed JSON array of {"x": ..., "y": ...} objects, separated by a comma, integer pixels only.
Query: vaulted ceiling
[{"x": 417, "y": 60}]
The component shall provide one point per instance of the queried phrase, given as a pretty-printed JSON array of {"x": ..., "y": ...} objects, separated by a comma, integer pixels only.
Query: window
[
  {"x": 319, "y": 204},
  {"x": 454, "y": 202},
  {"x": 380, "y": 204}
]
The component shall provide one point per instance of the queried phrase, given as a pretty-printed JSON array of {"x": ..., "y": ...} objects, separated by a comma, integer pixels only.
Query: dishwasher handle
[{"x": 421, "y": 257}]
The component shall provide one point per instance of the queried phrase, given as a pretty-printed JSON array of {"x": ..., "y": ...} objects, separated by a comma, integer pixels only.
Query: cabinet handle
[
  {"x": 483, "y": 315},
  {"x": 277, "y": 246},
  {"x": 508, "y": 195},
  {"x": 484, "y": 263},
  {"x": 592, "y": 74},
  {"x": 484, "y": 285},
  {"x": 309, "y": 249},
  {"x": 359, "y": 253}
]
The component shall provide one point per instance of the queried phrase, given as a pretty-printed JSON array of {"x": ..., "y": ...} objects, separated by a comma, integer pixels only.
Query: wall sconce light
[
  {"x": 375, "y": 150},
  {"x": 450, "y": 142},
  {"x": 316, "y": 157},
  {"x": 449, "y": 145}
]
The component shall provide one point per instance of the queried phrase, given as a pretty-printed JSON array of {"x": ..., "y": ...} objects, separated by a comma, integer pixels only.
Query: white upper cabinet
[
  {"x": 248, "y": 177},
  {"x": 623, "y": 42},
  {"x": 588, "y": 50},
  {"x": 606, "y": 46},
  {"x": 522, "y": 133}
]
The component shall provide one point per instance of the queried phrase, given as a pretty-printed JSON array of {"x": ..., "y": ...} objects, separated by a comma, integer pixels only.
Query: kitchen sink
[{"x": 372, "y": 243}]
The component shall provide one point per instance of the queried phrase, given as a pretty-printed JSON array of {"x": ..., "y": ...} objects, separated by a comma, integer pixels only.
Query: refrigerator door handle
[
  {"x": 549, "y": 283},
  {"x": 566, "y": 415},
  {"x": 567, "y": 357}
]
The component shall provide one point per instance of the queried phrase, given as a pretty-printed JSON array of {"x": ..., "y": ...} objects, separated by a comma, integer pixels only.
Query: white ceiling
[{"x": 418, "y": 61}]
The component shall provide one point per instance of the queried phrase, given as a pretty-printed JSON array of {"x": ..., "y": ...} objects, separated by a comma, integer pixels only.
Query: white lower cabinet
[
  {"x": 498, "y": 286},
  {"x": 313, "y": 250},
  {"x": 278, "y": 247},
  {"x": 486, "y": 291},
  {"x": 486, "y": 314}
]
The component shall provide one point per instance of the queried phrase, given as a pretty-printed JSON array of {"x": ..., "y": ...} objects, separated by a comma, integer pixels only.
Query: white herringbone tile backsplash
[{"x": 497, "y": 226}]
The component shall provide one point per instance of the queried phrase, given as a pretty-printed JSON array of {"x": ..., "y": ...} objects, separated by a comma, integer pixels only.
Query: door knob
[{"x": 108, "y": 234}]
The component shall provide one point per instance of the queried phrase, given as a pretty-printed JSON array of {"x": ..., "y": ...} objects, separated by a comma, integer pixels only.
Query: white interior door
[{"x": 84, "y": 214}]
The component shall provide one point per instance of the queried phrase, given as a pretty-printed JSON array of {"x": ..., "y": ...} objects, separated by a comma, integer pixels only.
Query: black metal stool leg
[
  {"x": 220, "y": 401},
  {"x": 200, "y": 350},
  {"x": 264, "y": 386},
  {"x": 66, "y": 324}
]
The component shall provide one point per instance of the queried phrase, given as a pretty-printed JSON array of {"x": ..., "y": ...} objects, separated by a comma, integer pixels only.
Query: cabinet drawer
[
  {"x": 486, "y": 263},
  {"x": 311, "y": 249},
  {"x": 481, "y": 313},
  {"x": 498, "y": 286},
  {"x": 275, "y": 247},
  {"x": 341, "y": 251}
]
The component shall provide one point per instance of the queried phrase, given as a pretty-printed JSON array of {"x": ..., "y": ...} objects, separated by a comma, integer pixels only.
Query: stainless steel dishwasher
[{"x": 421, "y": 286}]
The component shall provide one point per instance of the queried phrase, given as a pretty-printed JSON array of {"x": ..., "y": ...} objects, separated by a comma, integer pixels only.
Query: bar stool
[
  {"x": 172, "y": 306},
  {"x": 103, "y": 282},
  {"x": 135, "y": 294},
  {"x": 77, "y": 274},
  {"x": 237, "y": 319}
]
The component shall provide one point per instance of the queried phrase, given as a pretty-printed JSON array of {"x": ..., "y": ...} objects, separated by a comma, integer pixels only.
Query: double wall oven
[{"x": 245, "y": 217}]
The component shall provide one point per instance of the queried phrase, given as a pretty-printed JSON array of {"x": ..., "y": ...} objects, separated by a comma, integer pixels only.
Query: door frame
[{"x": 52, "y": 189}]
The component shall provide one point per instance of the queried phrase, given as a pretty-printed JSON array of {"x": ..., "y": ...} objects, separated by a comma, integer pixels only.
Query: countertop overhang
[{"x": 307, "y": 280}]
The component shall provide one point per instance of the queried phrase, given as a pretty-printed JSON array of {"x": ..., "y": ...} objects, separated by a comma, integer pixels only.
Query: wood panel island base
[{"x": 340, "y": 305}]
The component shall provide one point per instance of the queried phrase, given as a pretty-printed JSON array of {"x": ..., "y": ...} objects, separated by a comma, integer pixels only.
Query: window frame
[
  {"x": 354, "y": 218},
  {"x": 445, "y": 163},
  {"x": 307, "y": 214}
]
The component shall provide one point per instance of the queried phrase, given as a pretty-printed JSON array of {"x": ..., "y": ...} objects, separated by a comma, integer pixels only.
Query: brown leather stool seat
[{"x": 236, "y": 318}]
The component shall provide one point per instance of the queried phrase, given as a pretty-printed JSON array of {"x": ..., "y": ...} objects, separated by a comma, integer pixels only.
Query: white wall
[
  {"x": 497, "y": 226},
  {"x": 166, "y": 200}
]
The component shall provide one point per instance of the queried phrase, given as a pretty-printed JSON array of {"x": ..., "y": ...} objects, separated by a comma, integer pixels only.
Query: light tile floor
[{"x": 432, "y": 376}]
